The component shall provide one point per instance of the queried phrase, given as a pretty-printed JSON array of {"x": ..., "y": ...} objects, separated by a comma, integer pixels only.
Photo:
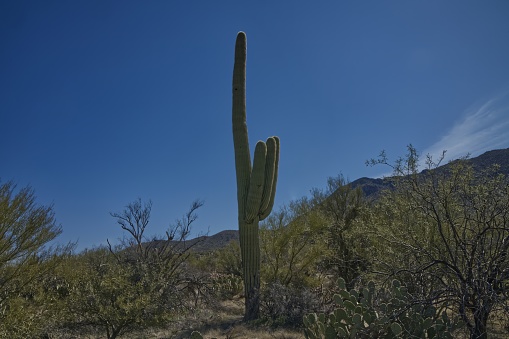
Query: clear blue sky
[{"x": 102, "y": 102}]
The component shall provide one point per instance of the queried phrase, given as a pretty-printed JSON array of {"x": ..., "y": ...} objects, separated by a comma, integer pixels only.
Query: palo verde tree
[
  {"x": 256, "y": 185},
  {"x": 445, "y": 232}
]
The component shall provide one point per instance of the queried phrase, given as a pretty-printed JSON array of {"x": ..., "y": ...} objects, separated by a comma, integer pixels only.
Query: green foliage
[
  {"x": 229, "y": 260},
  {"x": 347, "y": 245},
  {"x": 220, "y": 270},
  {"x": 367, "y": 313},
  {"x": 256, "y": 184},
  {"x": 291, "y": 244},
  {"x": 116, "y": 296},
  {"x": 225, "y": 260},
  {"x": 226, "y": 285},
  {"x": 33, "y": 310},
  {"x": 26, "y": 229}
]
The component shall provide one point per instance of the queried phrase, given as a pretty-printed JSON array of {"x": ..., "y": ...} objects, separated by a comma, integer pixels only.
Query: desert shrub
[
  {"x": 110, "y": 296},
  {"x": 291, "y": 244},
  {"x": 229, "y": 260},
  {"x": 286, "y": 305},
  {"x": 226, "y": 286},
  {"x": 30, "y": 313},
  {"x": 222, "y": 260},
  {"x": 347, "y": 248}
]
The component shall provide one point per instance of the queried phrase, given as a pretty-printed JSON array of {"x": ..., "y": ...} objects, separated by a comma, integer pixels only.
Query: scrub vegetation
[{"x": 427, "y": 255}]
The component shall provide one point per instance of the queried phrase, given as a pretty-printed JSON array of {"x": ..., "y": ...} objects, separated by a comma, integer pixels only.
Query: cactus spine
[{"x": 256, "y": 185}]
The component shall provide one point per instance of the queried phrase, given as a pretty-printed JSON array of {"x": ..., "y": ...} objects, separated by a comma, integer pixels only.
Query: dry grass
[
  {"x": 223, "y": 321},
  {"x": 498, "y": 325}
]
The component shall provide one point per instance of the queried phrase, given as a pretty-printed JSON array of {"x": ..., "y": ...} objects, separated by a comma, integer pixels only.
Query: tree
[
  {"x": 445, "y": 231},
  {"x": 26, "y": 229}
]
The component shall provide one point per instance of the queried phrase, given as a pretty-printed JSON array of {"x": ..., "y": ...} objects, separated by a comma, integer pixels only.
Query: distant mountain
[
  {"x": 201, "y": 244},
  {"x": 371, "y": 187},
  {"x": 214, "y": 242},
  {"x": 500, "y": 157}
]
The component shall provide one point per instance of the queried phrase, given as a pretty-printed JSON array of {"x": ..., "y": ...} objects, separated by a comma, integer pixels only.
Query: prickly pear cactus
[
  {"x": 392, "y": 316},
  {"x": 256, "y": 184}
]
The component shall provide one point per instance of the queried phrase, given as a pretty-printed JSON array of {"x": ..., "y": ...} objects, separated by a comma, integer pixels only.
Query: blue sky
[{"x": 102, "y": 102}]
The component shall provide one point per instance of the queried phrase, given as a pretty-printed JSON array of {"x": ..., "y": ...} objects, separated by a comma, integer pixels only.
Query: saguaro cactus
[{"x": 256, "y": 185}]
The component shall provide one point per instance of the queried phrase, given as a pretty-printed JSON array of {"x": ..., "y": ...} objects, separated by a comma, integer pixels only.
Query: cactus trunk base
[
  {"x": 252, "y": 311},
  {"x": 250, "y": 252}
]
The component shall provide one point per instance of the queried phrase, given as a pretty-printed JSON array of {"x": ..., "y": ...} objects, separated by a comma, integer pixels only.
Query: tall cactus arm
[
  {"x": 271, "y": 172},
  {"x": 240, "y": 136},
  {"x": 256, "y": 184}
]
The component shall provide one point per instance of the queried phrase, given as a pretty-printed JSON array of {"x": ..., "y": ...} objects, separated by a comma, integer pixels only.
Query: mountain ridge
[{"x": 372, "y": 186}]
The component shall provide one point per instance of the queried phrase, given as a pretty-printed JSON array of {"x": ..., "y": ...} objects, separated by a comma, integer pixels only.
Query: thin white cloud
[{"x": 483, "y": 127}]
